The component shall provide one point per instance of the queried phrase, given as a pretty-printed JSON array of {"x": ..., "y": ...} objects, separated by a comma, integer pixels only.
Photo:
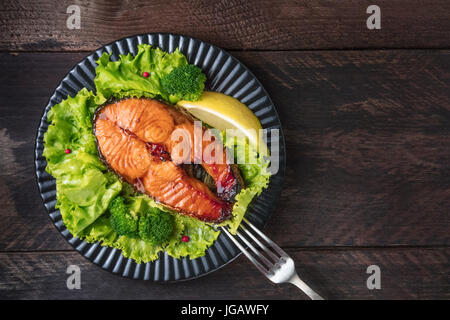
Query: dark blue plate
[{"x": 225, "y": 74}]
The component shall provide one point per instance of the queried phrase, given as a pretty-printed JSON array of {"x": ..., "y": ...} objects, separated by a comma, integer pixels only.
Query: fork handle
[{"x": 295, "y": 280}]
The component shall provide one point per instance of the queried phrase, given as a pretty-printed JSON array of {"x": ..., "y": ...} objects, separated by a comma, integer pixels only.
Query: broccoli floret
[
  {"x": 156, "y": 226},
  {"x": 184, "y": 83},
  {"x": 121, "y": 219}
]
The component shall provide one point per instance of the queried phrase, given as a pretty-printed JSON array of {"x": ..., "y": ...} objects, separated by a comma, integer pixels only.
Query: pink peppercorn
[
  {"x": 145, "y": 74},
  {"x": 68, "y": 151},
  {"x": 185, "y": 239}
]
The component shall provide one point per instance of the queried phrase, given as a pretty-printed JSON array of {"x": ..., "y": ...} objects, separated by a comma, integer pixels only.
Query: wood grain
[
  {"x": 341, "y": 274},
  {"x": 237, "y": 24},
  {"x": 26, "y": 85},
  {"x": 367, "y": 136}
]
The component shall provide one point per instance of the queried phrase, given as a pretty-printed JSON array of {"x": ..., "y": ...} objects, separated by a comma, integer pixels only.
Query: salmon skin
[{"x": 134, "y": 138}]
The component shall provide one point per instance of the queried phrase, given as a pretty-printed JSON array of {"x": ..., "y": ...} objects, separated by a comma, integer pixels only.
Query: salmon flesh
[{"x": 134, "y": 138}]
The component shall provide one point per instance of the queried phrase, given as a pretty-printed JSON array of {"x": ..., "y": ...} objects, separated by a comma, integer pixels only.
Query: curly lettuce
[
  {"x": 85, "y": 187},
  {"x": 123, "y": 78},
  {"x": 255, "y": 175}
]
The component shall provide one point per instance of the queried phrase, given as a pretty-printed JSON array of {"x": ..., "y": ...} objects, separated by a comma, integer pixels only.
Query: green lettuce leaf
[
  {"x": 123, "y": 78},
  {"x": 71, "y": 127},
  {"x": 84, "y": 195},
  {"x": 100, "y": 231},
  {"x": 137, "y": 249},
  {"x": 201, "y": 237}
]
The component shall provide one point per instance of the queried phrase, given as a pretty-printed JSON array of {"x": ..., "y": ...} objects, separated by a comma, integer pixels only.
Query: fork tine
[
  {"x": 284, "y": 268},
  {"x": 262, "y": 246},
  {"x": 258, "y": 254},
  {"x": 270, "y": 242},
  {"x": 247, "y": 254}
]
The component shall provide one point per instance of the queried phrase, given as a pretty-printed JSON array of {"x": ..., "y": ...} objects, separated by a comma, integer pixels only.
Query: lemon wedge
[{"x": 224, "y": 112}]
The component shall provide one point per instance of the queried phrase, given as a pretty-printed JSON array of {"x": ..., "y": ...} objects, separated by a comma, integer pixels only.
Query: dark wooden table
[{"x": 366, "y": 115}]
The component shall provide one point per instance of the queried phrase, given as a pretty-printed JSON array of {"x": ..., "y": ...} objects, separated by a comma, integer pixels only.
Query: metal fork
[{"x": 280, "y": 268}]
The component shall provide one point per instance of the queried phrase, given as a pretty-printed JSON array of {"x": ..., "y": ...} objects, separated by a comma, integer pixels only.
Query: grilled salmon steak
[{"x": 135, "y": 139}]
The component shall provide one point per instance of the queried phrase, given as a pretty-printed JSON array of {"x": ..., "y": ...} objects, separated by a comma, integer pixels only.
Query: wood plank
[
  {"x": 27, "y": 83},
  {"x": 405, "y": 274},
  {"x": 366, "y": 134},
  {"x": 237, "y": 24}
]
